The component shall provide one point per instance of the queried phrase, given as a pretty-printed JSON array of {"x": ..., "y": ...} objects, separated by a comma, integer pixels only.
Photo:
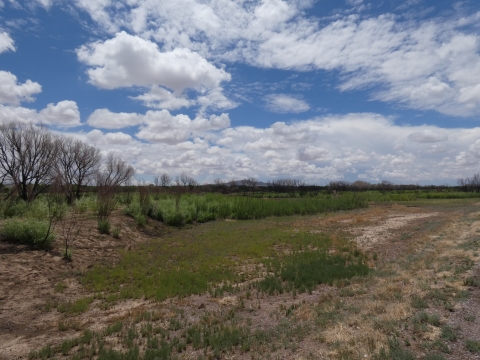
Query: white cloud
[
  {"x": 310, "y": 153},
  {"x": 162, "y": 127},
  {"x": 63, "y": 114},
  {"x": 118, "y": 138},
  {"x": 6, "y": 42},
  {"x": 283, "y": 103},
  {"x": 161, "y": 98},
  {"x": 426, "y": 65},
  {"x": 128, "y": 60},
  {"x": 427, "y": 136},
  {"x": 104, "y": 118},
  {"x": 12, "y": 93}
]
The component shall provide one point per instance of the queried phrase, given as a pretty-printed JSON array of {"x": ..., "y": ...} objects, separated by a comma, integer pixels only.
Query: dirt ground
[{"x": 419, "y": 250}]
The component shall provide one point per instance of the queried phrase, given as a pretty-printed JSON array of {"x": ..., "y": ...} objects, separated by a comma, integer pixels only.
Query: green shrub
[
  {"x": 86, "y": 203},
  {"x": 473, "y": 346},
  {"x": 140, "y": 219},
  {"x": 28, "y": 231},
  {"x": 175, "y": 219},
  {"x": 104, "y": 226},
  {"x": 116, "y": 232},
  {"x": 11, "y": 208}
]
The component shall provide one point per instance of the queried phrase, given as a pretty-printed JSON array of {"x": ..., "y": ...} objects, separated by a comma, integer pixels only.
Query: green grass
[
  {"x": 75, "y": 307},
  {"x": 195, "y": 260},
  {"x": 28, "y": 231}
]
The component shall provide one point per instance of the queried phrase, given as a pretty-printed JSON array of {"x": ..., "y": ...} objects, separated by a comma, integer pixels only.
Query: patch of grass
[
  {"x": 104, "y": 226},
  {"x": 193, "y": 260},
  {"x": 434, "y": 357},
  {"x": 471, "y": 281},
  {"x": 473, "y": 346},
  {"x": 395, "y": 352},
  {"x": 60, "y": 287},
  {"x": 448, "y": 333},
  {"x": 305, "y": 270},
  {"x": 425, "y": 318},
  {"x": 28, "y": 231},
  {"x": 470, "y": 318},
  {"x": 419, "y": 302},
  {"x": 76, "y": 307},
  {"x": 116, "y": 232}
]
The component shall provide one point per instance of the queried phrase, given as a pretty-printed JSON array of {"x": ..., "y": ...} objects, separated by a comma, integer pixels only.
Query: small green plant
[
  {"x": 116, "y": 232},
  {"x": 473, "y": 346},
  {"x": 471, "y": 281},
  {"x": 419, "y": 303},
  {"x": 448, "y": 333},
  {"x": 104, "y": 226},
  {"x": 434, "y": 357},
  {"x": 76, "y": 307}
]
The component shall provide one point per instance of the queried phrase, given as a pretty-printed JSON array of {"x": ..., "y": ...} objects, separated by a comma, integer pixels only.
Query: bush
[
  {"x": 116, "y": 232},
  {"x": 104, "y": 226},
  {"x": 28, "y": 231},
  {"x": 175, "y": 219}
]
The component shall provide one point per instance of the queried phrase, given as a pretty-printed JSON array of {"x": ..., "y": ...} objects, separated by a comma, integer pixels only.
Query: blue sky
[{"x": 315, "y": 90}]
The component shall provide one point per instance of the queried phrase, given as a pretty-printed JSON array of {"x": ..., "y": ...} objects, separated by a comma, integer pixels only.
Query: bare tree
[
  {"x": 70, "y": 228},
  {"x": 27, "y": 158},
  {"x": 77, "y": 163},
  {"x": 165, "y": 180},
  {"x": 115, "y": 173},
  {"x": 250, "y": 184}
]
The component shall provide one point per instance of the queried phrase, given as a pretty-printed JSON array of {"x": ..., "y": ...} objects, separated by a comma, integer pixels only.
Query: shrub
[
  {"x": 28, "y": 231},
  {"x": 175, "y": 219},
  {"x": 116, "y": 232},
  {"x": 104, "y": 226}
]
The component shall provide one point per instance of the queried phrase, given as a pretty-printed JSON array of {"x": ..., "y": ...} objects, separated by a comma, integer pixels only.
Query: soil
[{"x": 29, "y": 284}]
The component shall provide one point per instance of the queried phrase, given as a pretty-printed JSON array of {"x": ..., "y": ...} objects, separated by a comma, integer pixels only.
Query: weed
[
  {"x": 434, "y": 357},
  {"x": 76, "y": 307},
  {"x": 473, "y": 346},
  {"x": 28, "y": 231},
  {"x": 116, "y": 232},
  {"x": 471, "y": 281},
  {"x": 60, "y": 287},
  {"x": 419, "y": 303},
  {"x": 470, "y": 318},
  {"x": 448, "y": 333},
  {"x": 104, "y": 226}
]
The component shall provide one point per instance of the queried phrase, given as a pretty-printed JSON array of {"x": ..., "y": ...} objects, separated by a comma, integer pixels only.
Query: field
[{"x": 245, "y": 278}]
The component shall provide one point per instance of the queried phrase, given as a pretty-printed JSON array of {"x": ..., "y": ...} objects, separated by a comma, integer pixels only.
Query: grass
[
  {"x": 28, "y": 231},
  {"x": 473, "y": 346},
  {"x": 75, "y": 307},
  {"x": 194, "y": 260}
]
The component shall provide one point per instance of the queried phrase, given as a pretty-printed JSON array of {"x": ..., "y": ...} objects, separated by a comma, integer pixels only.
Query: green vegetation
[
  {"x": 28, "y": 231},
  {"x": 195, "y": 260}
]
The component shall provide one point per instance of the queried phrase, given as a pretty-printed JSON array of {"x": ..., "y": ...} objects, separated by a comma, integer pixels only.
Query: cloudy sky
[{"x": 316, "y": 90}]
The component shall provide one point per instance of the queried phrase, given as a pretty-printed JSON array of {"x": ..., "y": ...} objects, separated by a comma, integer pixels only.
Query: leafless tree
[
  {"x": 115, "y": 173},
  {"x": 70, "y": 228},
  {"x": 27, "y": 158},
  {"x": 185, "y": 180},
  {"x": 250, "y": 184},
  {"x": 165, "y": 180},
  {"x": 77, "y": 163}
]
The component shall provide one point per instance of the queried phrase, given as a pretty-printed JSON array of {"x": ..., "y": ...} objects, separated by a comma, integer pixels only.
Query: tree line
[{"x": 33, "y": 160}]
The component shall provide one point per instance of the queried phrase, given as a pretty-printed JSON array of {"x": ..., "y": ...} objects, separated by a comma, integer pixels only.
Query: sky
[{"x": 319, "y": 91}]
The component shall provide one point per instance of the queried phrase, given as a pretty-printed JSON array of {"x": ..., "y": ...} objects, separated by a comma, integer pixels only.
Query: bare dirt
[{"x": 419, "y": 246}]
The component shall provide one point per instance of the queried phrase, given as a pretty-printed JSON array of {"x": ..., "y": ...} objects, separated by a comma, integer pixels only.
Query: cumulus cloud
[
  {"x": 97, "y": 137},
  {"x": 104, "y": 118},
  {"x": 128, "y": 60},
  {"x": 427, "y": 65},
  {"x": 13, "y": 93},
  {"x": 163, "y": 127},
  {"x": 63, "y": 115},
  {"x": 318, "y": 150},
  {"x": 6, "y": 42},
  {"x": 427, "y": 136},
  {"x": 283, "y": 103}
]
